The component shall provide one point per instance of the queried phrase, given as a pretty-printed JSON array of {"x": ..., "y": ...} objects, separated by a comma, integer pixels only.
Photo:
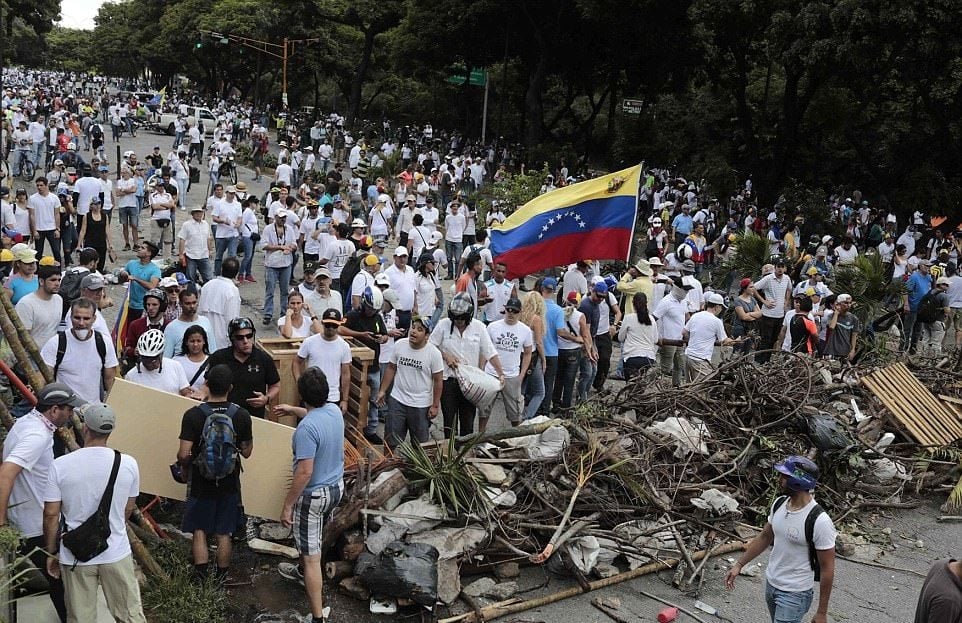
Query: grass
[{"x": 181, "y": 599}]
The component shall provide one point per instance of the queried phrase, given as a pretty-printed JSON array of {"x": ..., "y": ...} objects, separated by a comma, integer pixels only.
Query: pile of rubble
[{"x": 645, "y": 478}]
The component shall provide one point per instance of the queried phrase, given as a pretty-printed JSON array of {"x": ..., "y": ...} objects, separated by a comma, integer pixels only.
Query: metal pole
[
  {"x": 484, "y": 113},
  {"x": 284, "y": 76}
]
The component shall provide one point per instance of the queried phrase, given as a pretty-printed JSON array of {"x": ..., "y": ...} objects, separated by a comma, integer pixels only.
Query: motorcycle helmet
[
  {"x": 151, "y": 343},
  {"x": 683, "y": 252},
  {"x": 158, "y": 294},
  {"x": 802, "y": 472},
  {"x": 239, "y": 324},
  {"x": 372, "y": 298},
  {"x": 461, "y": 307}
]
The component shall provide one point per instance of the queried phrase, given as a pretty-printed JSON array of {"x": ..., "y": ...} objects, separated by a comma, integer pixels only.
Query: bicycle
[{"x": 25, "y": 166}]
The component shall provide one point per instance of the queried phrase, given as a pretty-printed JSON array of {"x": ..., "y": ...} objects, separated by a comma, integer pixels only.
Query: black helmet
[
  {"x": 461, "y": 307},
  {"x": 158, "y": 294},
  {"x": 237, "y": 324}
]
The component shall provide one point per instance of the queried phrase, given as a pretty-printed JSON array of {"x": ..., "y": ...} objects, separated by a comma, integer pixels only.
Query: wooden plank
[
  {"x": 895, "y": 406},
  {"x": 148, "y": 427},
  {"x": 939, "y": 418}
]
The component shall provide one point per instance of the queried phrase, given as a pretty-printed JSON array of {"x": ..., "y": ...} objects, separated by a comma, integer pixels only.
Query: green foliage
[
  {"x": 449, "y": 480},
  {"x": 867, "y": 281},
  {"x": 516, "y": 190},
  {"x": 751, "y": 253},
  {"x": 181, "y": 599}
]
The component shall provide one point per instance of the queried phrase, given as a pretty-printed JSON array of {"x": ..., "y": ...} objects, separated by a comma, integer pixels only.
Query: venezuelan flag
[
  {"x": 593, "y": 219},
  {"x": 119, "y": 333}
]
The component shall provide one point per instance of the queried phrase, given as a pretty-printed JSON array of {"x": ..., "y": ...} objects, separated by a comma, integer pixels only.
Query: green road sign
[{"x": 477, "y": 78}]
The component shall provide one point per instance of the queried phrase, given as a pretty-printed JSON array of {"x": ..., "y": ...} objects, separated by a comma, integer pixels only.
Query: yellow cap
[
  {"x": 371, "y": 260},
  {"x": 6, "y": 255},
  {"x": 48, "y": 260}
]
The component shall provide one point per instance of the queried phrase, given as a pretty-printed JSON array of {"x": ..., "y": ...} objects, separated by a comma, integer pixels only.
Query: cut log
[
  {"x": 337, "y": 570},
  {"x": 349, "y": 514},
  {"x": 350, "y": 545},
  {"x": 266, "y": 547}
]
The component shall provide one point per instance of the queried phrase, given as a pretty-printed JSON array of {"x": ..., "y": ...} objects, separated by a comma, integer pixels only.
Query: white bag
[{"x": 477, "y": 386}]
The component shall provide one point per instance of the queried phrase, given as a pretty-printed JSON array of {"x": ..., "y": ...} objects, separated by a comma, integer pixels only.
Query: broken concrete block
[
  {"x": 502, "y": 591},
  {"x": 479, "y": 587},
  {"x": 507, "y": 570},
  {"x": 274, "y": 531},
  {"x": 494, "y": 474},
  {"x": 604, "y": 570}
]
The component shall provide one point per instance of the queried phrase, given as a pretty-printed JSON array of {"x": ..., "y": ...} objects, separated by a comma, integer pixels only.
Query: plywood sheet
[{"x": 148, "y": 428}]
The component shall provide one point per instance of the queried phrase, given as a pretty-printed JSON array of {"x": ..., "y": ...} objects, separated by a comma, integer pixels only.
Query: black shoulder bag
[{"x": 89, "y": 539}]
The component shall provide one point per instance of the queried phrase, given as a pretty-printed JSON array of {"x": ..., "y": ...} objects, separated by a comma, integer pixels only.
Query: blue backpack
[{"x": 217, "y": 451}]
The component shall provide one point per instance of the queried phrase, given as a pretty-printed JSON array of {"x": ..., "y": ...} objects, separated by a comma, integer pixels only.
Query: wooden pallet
[{"x": 928, "y": 420}]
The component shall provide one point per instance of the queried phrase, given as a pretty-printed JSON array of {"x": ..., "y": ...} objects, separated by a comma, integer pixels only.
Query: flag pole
[{"x": 634, "y": 224}]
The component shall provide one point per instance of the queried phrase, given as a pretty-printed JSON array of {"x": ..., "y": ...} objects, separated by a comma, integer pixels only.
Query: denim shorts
[
  {"x": 213, "y": 515},
  {"x": 786, "y": 607},
  {"x": 129, "y": 215}
]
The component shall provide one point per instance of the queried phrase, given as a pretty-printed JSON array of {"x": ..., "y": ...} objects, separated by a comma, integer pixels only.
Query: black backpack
[
  {"x": 70, "y": 287},
  {"x": 929, "y": 307},
  {"x": 809, "y": 533}
]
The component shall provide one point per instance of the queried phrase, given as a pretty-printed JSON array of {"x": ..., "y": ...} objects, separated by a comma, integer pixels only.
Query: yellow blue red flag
[{"x": 593, "y": 219}]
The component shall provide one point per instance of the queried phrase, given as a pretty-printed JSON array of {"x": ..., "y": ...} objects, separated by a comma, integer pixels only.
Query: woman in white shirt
[
  {"x": 639, "y": 338},
  {"x": 297, "y": 322},
  {"x": 427, "y": 302},
  {"x": 194, "y": 362},
  {"x": 249, "y": 227}
]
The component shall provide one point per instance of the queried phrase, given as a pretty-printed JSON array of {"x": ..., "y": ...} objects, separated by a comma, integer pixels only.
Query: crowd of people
[{"x": 397, "y": 263}]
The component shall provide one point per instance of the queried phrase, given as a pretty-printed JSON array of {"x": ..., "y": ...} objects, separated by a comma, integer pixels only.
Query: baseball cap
[
  {"x": 391, "y": 297},
  {"x": 601, "y": 288},
  {"x": 322, "y": 272},
  {"x": 282, "y": 213},
  {"x": 914, "y": 260},
  {"x": 714, "y": 298},
  {"x": 371, "y": 260},
  {"x": 198, "y": 208},
  {"x": 549, "y": 283},
  {"x": 58, "y": 394},
  {"x": 688, "y": 266},
  {"x": 99, "y": 418},
  {"x": 103, "y": 169},
  {"x": 655, "y": 261},
  {"x": 812, "y": 271},
  {"x": 92, "y": 281},
  {"x": 381, "y": 279},
  {"x": 168, "y": 282},
  {"x": 744, "y": 283},
  {"x": 181, "y": 278},
  {"x": 310, "y": 267},
  {"x": 331, "y": 316},
  {"x": 400, "y": 251},
  {"x": 573, "y": 297},
  {"x": 514, "y": 304},
  {"x": 231, "y": 189},
  {"x": 943, "y": 281},
  {"x": 810, "y": 292}
]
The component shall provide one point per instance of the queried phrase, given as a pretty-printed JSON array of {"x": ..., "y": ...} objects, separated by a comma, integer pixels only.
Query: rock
[
  {"x": 844, "y": 549},
  {"x": 604, "y": 570},
  {"x": 920, "y": 544},
  {"x": 274, "y": 531},
  {"x": 479, "y": 587},
  {"x": 887, "y": 531},
  {"x": 494, "y": 474},
  {"x": 502, "y": 591},
  {"x": 507, "y": 570},
  {"x": 352, "y": 586},
  {"x": 751, "y": 571}
]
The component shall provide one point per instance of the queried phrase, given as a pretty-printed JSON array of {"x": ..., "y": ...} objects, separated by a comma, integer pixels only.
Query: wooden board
[
  {"x": 927, "y": 420},
  {"x": 148, "y": 428}
]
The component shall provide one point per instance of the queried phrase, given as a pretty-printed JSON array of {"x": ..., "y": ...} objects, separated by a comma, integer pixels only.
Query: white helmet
[
  {"x": 683, "y": 252},
  {"x": 372, "y": 298},
  {"x": 151, "y": 343}
]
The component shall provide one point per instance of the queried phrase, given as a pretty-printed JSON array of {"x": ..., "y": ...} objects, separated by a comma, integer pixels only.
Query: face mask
[{"x": 82, "y": 334}]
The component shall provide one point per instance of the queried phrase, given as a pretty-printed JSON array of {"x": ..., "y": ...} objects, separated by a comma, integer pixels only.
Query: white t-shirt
[
  {"x": 774, "y": 289},
  {"x": 41, "y": 318},
  {"x": 404, "y": 284},
  {"x": 362, "y": 280},
  {"x": 86, "y": 188},
  {"x": 303, "y": 331},
  {"x": 574, "y": 281},
  {"x": 425, "y": 294},
  {"x": 7, "y": 216},
  {"x": 413, "y": 385},
  {"x": 174, "y": 336},
  {"x": 128, "y": 200},
  {"x": 44, "y": 209},
  {"x": 337, "y": 255},
  {"x": 80, "y": 368},
  {"x": 78, "y": 481},
  {"x": 670, "y": 314},
  {"x": 230, "y": 210},
  {"x": 572, "y": 324},
  {"x": 704, "y": 330},
  {"x": 510, "y": 342},
  {"x": 170, "y": 377},
  {"x": 499, "y": 293},
  {"x": 22, "y": 216},
  {"x": 190, "y": 369},
  {"x": 455, "y": 225},
  {"x": 158, "y": 198},
  {"x": 29, "y": 444},
  {"x": 220, "y": 303},
  {"x": 329, "y": 356},
  {"x": 283, "y": 173},
  {"x": 195, "y": 235},
  {"x": 788, "y": 565},
  {"x": 380, "y": 220},
  {"x": 107, "y": 186},
  {"x": 846, "y": 257}
]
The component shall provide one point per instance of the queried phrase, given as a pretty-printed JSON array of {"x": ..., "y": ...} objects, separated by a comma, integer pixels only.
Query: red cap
[{"x": 744, "y": 283}]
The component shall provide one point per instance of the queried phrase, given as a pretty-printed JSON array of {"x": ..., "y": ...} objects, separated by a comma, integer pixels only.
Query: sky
[{"x": 79, "y": 13}]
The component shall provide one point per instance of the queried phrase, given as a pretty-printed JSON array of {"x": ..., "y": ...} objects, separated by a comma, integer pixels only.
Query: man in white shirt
[
  {"x": 332, "y": 354},
  {"x": 128, "y": 210},
  {"x": 76, "y": 483},
  {"x": 774, "y": 294},
  {"x": 283, "y": 174},
  {"x": 88, "y": 363},
  {"x": 220, "y": 300},
  {"x": 403, "y": 280},
  {"x": 42, "y": 310},
  {"x": 514, "y": 342},
  {"x": 194, "y": 246},
  {"x": 455, "y": 224},
  {"x": 500, "y": 290},
  {"x": 87, "y": 187},
  {"x": 27, "y": 461},
  {"x": 704, "y": 331},
  {"x": 415, "y": 379},
  {"x": 227, "y": 216},
  {"x": 45, "y": 218},
  {"x": 161, "y": 216},
  {"x": 672, "y": 315},
  {"x": 156, "y": 371}
]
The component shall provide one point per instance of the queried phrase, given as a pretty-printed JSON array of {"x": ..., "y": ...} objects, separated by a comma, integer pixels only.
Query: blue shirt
[
  {"x": 554, "y": 319},
  {"x": 21, "y": 287},
  {"x": 919, "y": 285},
  {"x": 320, "y": 436},
  {"x": 592, "y": 312},
  {"x": 682, "y": 224},
  {"x": 145, "y": 272}
]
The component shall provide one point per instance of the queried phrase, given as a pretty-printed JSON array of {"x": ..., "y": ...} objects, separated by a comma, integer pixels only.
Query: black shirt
[
  {"x": 255, "y": 374},
  {"x": 191, "y": 429},
  {"x": 358, "y": 321}
]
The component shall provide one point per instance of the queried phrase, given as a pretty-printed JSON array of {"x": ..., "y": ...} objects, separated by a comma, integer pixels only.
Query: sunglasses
[{"x": 243, "y": 338}]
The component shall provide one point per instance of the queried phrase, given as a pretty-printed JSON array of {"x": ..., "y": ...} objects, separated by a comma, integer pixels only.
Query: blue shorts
[
  {"x": 212, "y": 515},
  {"x": 129, "y": 215}
]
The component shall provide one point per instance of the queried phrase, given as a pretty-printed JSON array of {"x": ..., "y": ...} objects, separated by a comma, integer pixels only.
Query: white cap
[
  {"x": 943, "y": 281},
  {"x": 400, "y": 251},
  {"x": 655, "y": 261},
  {"x": 381, "y": 279},
  {"x": 714, "y": 298}
]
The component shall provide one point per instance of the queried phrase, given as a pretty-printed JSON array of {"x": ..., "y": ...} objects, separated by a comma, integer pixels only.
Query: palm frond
[
  {"x": 868, "y": 282},
  {"x": 751, "y": 253}
]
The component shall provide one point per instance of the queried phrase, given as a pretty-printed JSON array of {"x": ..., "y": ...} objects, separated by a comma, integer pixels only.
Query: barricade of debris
[{"x": 642, "y": 479}]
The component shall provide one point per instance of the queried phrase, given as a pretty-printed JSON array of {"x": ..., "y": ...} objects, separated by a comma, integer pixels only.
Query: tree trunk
[
  {"x": 533, "y": 104},
  {"x": 357, "y": 83}
]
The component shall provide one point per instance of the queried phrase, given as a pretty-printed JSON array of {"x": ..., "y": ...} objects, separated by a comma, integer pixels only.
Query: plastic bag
[
  {"x": 477, "y": 386},
  {"x": 827, "y": 433},
  {"x": 401, "y": 570}
]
